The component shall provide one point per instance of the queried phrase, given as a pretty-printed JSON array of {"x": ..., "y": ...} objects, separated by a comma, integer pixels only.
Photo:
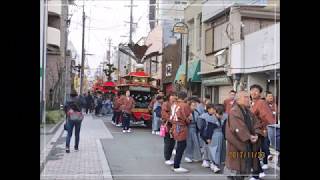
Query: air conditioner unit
[{"x": 220, "y": 58}]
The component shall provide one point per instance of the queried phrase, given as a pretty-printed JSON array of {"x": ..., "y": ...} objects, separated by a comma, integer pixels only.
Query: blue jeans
[
  {"x": 265, "y": 145},
  {"x": 71, "y": 124}
]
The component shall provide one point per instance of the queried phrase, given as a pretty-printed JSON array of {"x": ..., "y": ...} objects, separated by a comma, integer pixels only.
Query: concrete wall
[
  {"x": 224, "y": 93},
  {"x": 257, "y": 78}
]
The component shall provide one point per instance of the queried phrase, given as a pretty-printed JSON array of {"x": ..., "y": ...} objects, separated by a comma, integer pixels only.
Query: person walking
[
  {"x": 156, "y": 117},
  {"x": 168, "y": 139},
  {"x": 126, "y": 106},
  {"x": 180, "y": 121},
  {"x": 262, "y": 111},
  {"x": 98, "y": 104},
  {"x": 74, "y": 120},
  {"x": 116, "y": 110},
  {"x": 193, "y": 152},
  {"x": 228, "y": 103},
  {"x": 108, "y": 105},
  {"x": 243, "y": 142},
  {"x": 83, "y": 101},
  {"x": 89, "y": 102}
]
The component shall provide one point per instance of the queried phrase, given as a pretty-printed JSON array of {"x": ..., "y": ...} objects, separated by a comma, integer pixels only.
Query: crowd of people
[
  {"x": 98, "y": 103},
  {"x": 230, "y": 137}
]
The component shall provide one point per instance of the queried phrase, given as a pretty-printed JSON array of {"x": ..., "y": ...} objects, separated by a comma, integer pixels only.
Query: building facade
[{"x": 225, "y": 27}]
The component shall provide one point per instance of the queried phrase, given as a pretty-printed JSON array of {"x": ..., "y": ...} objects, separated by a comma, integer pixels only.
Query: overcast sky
[{"x": 106, "y": 19}]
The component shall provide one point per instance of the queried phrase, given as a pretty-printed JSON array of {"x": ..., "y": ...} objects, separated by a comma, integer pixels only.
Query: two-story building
[{"x": 223, "y": 26}]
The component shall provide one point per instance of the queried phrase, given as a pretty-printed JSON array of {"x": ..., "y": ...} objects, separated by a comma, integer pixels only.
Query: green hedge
[{"x": 54, "y": 116}]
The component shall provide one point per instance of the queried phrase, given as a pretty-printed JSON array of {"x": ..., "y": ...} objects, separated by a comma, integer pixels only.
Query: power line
[{"x": 258, "y": 66}]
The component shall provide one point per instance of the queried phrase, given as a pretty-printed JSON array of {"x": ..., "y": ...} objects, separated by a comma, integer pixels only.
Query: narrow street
[{"x": 137, "y": 155}]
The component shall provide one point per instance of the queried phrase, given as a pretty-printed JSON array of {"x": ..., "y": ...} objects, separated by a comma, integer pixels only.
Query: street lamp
[{"x": 182, "y": 28}]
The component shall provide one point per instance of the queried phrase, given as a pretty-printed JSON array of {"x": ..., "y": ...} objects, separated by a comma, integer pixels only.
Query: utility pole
[
  {"x": 109, "y": 52},
  {"x": 118, "y": 65},
  {"x": 83, "y": 53},
  {"x": 43, "y": 57},
  {"x": 66, "y": 79},
  {"x": 131, "y": 6},
  {"x": 130, "y": 37}
]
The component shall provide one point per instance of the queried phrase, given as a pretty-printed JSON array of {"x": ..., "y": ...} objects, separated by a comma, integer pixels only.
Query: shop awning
[{"x": 193, "y": 69}]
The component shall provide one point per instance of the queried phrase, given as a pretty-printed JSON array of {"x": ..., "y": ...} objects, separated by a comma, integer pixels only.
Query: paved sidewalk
[{"x": 88, "y": 163}]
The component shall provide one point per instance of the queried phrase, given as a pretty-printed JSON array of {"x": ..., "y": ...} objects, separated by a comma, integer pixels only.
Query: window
[
  {"x": 209, "y": 41},
  {"x": 168, "y": 70}
]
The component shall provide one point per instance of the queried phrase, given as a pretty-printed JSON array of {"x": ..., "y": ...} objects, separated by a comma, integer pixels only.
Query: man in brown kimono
[
  {"x": 126, "y": 106},
  {"x": 169, "y": 142},
  {"x": 242, "y": 130},
  {"x": 261, "y": 110},
  {"x": 180, "y": 119}
]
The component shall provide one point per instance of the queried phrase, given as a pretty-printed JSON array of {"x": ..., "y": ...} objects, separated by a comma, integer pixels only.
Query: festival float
[{"x": 141, "y": 89}]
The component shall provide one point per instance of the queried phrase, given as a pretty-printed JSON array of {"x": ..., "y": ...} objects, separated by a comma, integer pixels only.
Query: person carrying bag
[{"x": 73, "y": 120}]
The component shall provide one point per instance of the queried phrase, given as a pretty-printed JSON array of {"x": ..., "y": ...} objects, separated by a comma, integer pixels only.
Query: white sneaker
[
  {"x": 129, "y": 130},
  {"x": 169, "y": 162},
  {"x": 265, "y": 166},
  {"x": 188, "y": 160},
  {"x": 153, "y": 132},
  {"x": 261, "y": 175},
  {"x": 124, "y": 131},
  {"x": 205, "y": 164},
  {"x": 157, "y": 132},
  {"x": 180, "y": 170},
  {"x": 214, "y": 168},
  {"x": 173, "y": 152},
  {"x": 252, "y": 178},
  {"x": 119, "y": 125}
]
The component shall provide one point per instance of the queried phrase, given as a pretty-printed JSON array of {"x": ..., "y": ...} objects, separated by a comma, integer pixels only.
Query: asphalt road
[{"x": 139, "y": 155}]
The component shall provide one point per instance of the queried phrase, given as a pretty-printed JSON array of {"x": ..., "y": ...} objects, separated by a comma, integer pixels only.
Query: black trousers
[
  {"x": 169, "y": 144},
  {"x": 181, "y": 146},
  {"x": 125, "y": 121},
  {"x": 115, "y": 116}
]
